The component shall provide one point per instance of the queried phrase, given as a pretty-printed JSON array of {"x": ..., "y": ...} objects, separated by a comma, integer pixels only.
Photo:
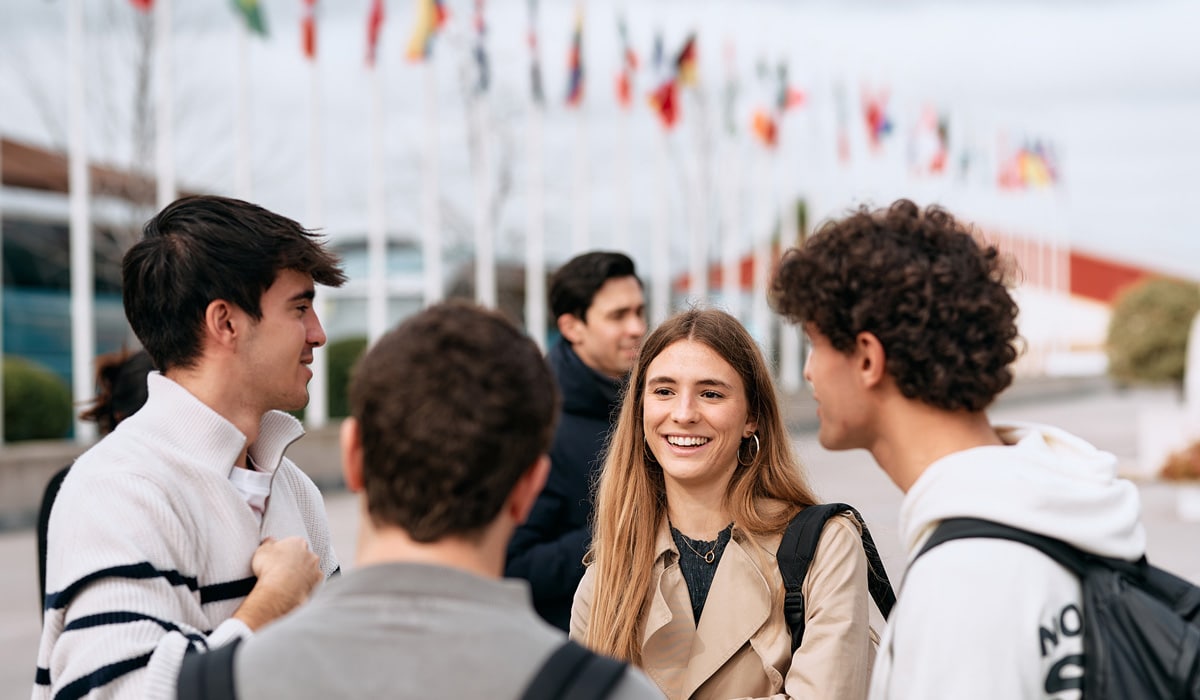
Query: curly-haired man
[{"x": 913, "y": 333}]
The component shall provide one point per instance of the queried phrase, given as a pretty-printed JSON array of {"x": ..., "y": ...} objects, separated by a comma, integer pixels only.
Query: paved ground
[{"x": 1106, "y": 418}]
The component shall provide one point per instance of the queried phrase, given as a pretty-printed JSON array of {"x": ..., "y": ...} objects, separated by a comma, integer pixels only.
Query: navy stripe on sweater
[
  {"x": 143, "y": 570},
  {"x": 119, "y": 618},
  {"x": 100, "y": 677},
  {"x": 42, "y": 677},
  {"x": 225, "y": 591}
]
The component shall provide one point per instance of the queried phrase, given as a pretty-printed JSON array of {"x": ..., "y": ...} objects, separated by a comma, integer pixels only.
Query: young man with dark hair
[
  {"x": 451, "y": 415},
  {"x": 913, "y": 335},
  {"x": 186, "y": 526},
  {"x": 601, "y": 312}
]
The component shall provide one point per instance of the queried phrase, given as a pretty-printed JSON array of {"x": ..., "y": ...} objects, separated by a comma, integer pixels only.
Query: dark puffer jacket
[{"x": 547, "y": 550}]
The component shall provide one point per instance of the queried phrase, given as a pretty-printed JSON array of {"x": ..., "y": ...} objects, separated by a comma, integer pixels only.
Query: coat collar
[{"x": 739, "y": 603}]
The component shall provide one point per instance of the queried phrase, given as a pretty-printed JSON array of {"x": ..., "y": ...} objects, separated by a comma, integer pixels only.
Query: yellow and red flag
[
  {"x": 308, "y": 29},
  {"x": 431, "y": 16}
]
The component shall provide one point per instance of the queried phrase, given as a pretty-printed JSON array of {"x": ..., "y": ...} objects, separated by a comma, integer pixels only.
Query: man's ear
[
  {"x": 570, "y": 326},
  {"x": 221, "y": 322},
  {"x": 871, "y": 358},
  {"x": 527, "y": 489},
  {"x": 352, "y": 454}
]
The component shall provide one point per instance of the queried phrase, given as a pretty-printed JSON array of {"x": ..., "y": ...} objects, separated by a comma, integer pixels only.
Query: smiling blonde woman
[{"x": 698, "y": 486}]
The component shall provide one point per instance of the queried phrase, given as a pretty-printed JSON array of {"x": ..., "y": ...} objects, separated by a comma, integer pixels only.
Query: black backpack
[
  {"x": 1141, "y": 624},
  {"x": 795, "y": 555},
  {"x": 572, "y": 673}
]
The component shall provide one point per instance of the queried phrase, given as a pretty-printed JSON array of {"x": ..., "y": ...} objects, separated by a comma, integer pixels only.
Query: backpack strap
[
  {"x": 208, "y": 675},
  {"x": 574, "y": 673},
  {"x": 797, "y": 550},
  {"x": 963, "y": 528}
]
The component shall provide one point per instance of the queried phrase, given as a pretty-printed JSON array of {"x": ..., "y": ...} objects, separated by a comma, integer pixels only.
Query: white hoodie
[{"x": 989, "y": 618}]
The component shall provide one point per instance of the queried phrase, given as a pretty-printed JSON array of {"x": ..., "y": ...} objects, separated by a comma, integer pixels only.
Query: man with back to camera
[
  {"x": 186, "y": 526},
  {"x": 451, "y": 415},
  {"x": 913, "y": 335},
  {"x": 597, "y": 301}
]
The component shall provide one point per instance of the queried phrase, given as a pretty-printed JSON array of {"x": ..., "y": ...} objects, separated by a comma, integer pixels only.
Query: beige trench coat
[{"x": 742, "y": 646}]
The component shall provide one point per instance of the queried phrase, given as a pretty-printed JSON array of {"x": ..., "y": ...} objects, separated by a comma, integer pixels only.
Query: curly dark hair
[
  {"x": 454, "y": 405},
  {"x": 923, "y": 285}
]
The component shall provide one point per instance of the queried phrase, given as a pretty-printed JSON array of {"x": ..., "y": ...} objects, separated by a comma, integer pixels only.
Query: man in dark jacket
[{"x": 598, "y": 303}]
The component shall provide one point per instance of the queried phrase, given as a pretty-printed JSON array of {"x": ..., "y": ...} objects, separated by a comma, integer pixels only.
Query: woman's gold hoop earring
[{"x": 749, "y": 461}]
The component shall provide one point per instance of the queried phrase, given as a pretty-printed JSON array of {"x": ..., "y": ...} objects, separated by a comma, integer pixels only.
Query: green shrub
[
  {"x": 37, "y": 403},
  {"x": 1148, "y": 331},
  {"x": 343, "y": 355}
]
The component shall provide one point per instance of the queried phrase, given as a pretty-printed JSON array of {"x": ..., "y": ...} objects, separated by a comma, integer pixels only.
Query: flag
[
  {"x": 308, "y": 29},
  {"x": 575, "y": 62},
  {"x": 143, "y": 5},
  {"x": 251, "y": 12},
  {"x": 665, "y": 103},
  {"x": 685, "y": 62},
  {"x": 629, "y": 64},
  {"x": 1033, "y": 165},
  {"x": 535, "y": 62},
  {"x": 431, "y": 15},
  {"x": 482, "y": 69},
  {"x": 875, "y": 113},
  {"x": 786, "y": 96},
  {"x": 765, "y": 127},
  {"x": 374, "y": 24}
]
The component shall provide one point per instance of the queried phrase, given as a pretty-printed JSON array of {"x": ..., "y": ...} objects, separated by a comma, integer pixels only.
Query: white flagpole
[
  {"x": 83, "y": 333},
  {"x": 317, "y": 414},
  {"x": 579, "y": 224},
  {"x": 789, "y": 334},
  {"x": 431, "y": 247},
  {"x": 243, "y": 178},
  {"x": 377, "y": 221},
  {"x": 485, "y": 253},
  {"x": 624, "y": 178},
  {"x": 535, "y": 237},
  {"x": 164, "y": 129},
  {"x": 660, "y": 245},
  {"x": 698, "y": 237},
  {"x": 760, "y": 313},
  {"x": 731, "y": 276}
]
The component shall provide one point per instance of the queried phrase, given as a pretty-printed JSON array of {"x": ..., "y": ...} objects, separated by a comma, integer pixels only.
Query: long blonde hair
[{"x": 631, "y": 495}]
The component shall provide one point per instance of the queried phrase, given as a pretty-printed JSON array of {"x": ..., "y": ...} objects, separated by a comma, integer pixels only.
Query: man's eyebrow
[{"x": 308, "y": 294}]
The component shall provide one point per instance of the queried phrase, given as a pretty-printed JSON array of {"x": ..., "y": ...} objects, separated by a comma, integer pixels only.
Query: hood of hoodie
[
  {"x": 1043, "y": 480},
  {"x": 585, "y": 392}
]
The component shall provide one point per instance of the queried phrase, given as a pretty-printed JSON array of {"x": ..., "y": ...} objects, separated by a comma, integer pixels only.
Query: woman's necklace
[{"x": 707, "y": 557}]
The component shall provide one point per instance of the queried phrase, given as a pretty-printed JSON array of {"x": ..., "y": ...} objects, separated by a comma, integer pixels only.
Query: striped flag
[
  {"x": 374, "y": 25},
  {"x": 685, "y": 62},
  {"x": 431, "y": 15},
  {"x": 575, "y": 62},
  {"x": 629, "y": 64},
  {"x": 535, "y": 62},
  {"x": 252, "y": 14},
  {"x": 308, "y": 29}
]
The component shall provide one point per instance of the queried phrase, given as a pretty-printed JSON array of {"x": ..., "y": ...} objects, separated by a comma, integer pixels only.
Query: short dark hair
[
  {"x": 924, "y": 286},
  {"x": 203, "y": 248},
  {"x": 454, "y": 405},
  {"x": 574, "y": 285}
]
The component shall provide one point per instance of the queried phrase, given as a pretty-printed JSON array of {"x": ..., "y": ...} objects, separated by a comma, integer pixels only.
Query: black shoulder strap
[
  {"x": 797, "y": 550},
  {"x": 208, "y": 675},
  {"x": 961, "y": 528},
  {"x": 574, "y": 673},
  {"x": 43, "y": 529}
]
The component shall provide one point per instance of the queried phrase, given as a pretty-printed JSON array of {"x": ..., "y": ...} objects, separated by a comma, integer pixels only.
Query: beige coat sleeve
[
  {"x": 835, "y": 658},
  {"x": 581, "y": 607}
]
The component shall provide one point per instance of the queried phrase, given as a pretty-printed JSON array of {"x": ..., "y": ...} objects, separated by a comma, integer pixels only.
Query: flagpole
[
  {"x": 731, "y": 276},
  {"x": 535, "y": 237},
  {"x": 759, "y": 312},
  {"x": 579, "y": 223},
  {"x": 485, "y": 254},
  {"x": 789, "y": 334},
  {"x": 660, "y": 245},
  {"x": 430, "y": 215},
  {"x": 698, "y": 240},
  {"x": 83, "y": 334},
  {"x": 164, "y": 129},
  {"x": 317, "y": 414},
  {"x": 243, "y": 179},
  {"x": 624, "y": 180},
  {"x": 377, "y": 222}
]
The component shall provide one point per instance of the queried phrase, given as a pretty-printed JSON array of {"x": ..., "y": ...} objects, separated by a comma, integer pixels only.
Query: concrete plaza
[{"x": 1093, "y": 410}]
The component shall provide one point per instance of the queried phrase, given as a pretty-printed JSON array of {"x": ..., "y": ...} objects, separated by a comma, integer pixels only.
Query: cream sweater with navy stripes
[{"x": 150, "y": 546}]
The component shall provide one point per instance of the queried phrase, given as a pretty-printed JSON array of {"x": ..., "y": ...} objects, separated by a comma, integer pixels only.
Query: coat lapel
[{"x": 738, "y": 605}]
